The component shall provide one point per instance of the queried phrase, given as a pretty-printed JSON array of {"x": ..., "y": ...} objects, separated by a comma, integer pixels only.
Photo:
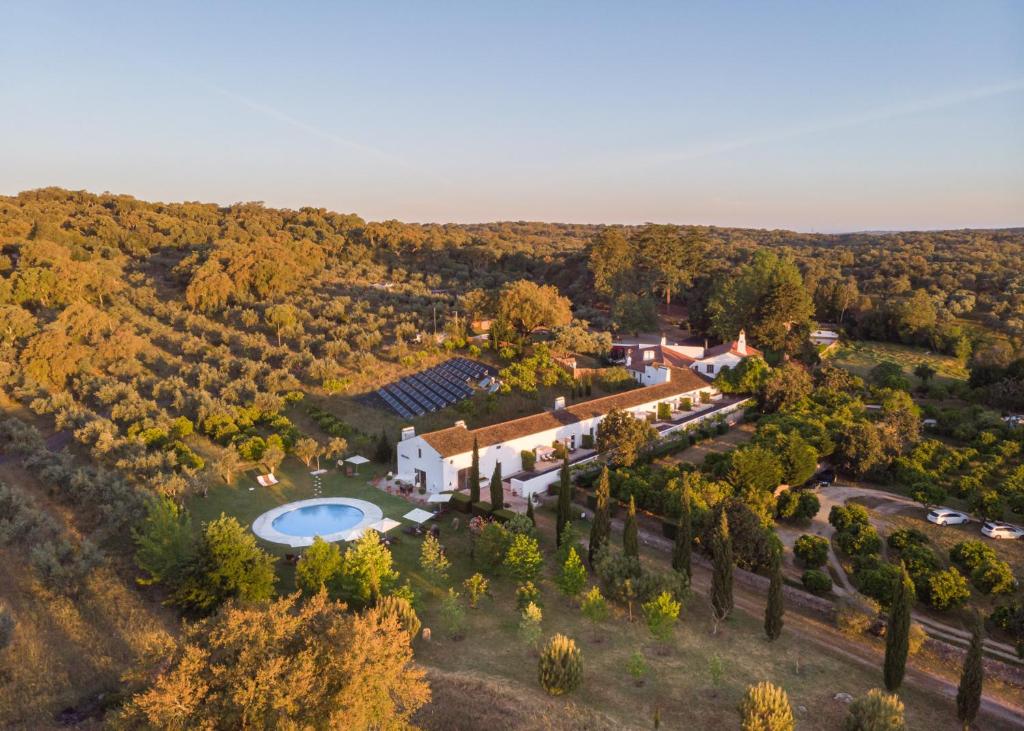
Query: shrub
[
  {"x": 876, "y": 578},
  {"x": 854, "y": 617},
  {"x": 461, "y": 502},
  {"x": 490, "y": 546},
  {"x": 812, "y": 551},
  {"x": 476, "y": 586},
  {"x": 947, "y": 589},
  {"x": 401, "y": 608},
  {"x": 664, "y": 411},
  {"x": 816, "y": 582},
  {"x": 971, "y": 554},
  {"x": 529, "y": 624},
  {"x": 994, "y": 577},
  {"x": 661, "y": 614},
  {"x": 843, "y": 517},
  {"x": 482, "y": 508},
  {"x": 523, "y": 558},
  {"x": 686, "y": 404},
  {"x": 527, "y": 593},
  {"x": 876, "y": 711},
  {"x": 529, "y": 459},
  {"x": 904, "y": 537},
  {"x": 766, "y": 708},
  {"x": 587, "y": 442},
  {"x": 561, "y": 666},
  {"x": 433, "y": 559},
  {"x": 7, "y": 625},
  {"x": 572, "y": 577},
  {"x": 859, "y": 539},
  {"x": 453, "y": 614},
  {"x": 593, "y": 606},
  {"x": 504, "y": 515}
]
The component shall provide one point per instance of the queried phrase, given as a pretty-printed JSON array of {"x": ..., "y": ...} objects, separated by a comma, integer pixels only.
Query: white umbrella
[
  {"x": 418, "y": 515},
  {"x": 439, "y": 497},
  {"x": 355, "y": 534},
  {"x": 358, "y": 459},
  {"x": 384, "y": 525},
  {"x": 405, "y": 477}
]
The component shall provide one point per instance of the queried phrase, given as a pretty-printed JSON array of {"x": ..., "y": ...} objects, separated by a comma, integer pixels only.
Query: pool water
[{"x": 317, "y": 520}]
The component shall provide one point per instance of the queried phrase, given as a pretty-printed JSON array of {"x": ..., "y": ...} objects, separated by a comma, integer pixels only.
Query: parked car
[
  {"x": 945, "y": 516},
  {"x": 997, "y": 530},
  {"x": 825, "y": 478}
]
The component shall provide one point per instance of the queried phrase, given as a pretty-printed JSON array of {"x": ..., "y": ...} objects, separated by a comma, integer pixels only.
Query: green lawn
[{"x": 861, "y": 356}]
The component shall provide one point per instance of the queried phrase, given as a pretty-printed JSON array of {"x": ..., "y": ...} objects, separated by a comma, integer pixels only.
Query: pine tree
[
  {"x": 564, "y": 500},
  {"x": 474, "y": 474},
  {"x": 897, "y": 635},
  {"x": 774, "y": 609},
  {"x": 968, "y": 693},
  {"x": 630, "y": 544},
  {"x": 766, "y": 708},
  {"x": 497, "y": 493},
  {"x": 529, "y": 511},
  {"x": 602, "y": 525},
  {"x": 560, "y": 666},
  {"x": 721, "y": 573},
  {"x": 572, "y": 579},
  {"x": 684, "y": 537}
]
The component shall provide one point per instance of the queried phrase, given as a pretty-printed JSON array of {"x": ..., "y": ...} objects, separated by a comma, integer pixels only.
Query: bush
[
  {"x": 876, "y": 711},
  {"x": 816, "y": 582},
  {"x": 904, "y": 537},
  {"x": 561, "y": 666},
  {"x": 855, "y": 617},
  {"x": 461, "y": 501},
  {"x": 858, "y": 539},
  {"x": 766, "y": 708},
  {"x": 482, "y": 508},
  {"x": 527, "y": 594},
  {"x": 994, "y": 577},
  {"x": 401, "y": 608},
  {"x": 529, "y": 459},
  {"x": 971, "y": 554},
  {"x": 504, "y": 515},
  {"x": 664, "y": 411},
  {"x": 686, "y": 404},
  {"x": 876, "y": 578},
  {"x": 947, "y": 589},
  {"x": 843, "y": 517},
  {"x": 812, "y": 551},
  {"x": 587, "y": 442}
]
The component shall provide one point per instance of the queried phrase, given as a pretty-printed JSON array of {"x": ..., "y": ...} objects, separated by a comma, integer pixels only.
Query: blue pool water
[{"x": 317, "y": 520}]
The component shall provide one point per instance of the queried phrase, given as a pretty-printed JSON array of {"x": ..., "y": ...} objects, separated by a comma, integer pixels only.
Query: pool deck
[{"x": 263, "y": 526}]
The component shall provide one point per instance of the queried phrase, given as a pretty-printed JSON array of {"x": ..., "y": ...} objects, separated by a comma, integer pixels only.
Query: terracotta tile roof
[
  {"x": 459, "y": 440},
  {"x": 733, "y": 348}
]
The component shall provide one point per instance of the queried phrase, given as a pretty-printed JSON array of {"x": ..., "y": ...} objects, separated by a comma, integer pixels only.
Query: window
[
  {"x": 419, "y": 453},
  {"x": 710, "y": 368}
]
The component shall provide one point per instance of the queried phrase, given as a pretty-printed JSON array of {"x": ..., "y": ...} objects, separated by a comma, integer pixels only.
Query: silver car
[
  {"x": 997, "y": 530},
  {"x": 945, "y": 516}
]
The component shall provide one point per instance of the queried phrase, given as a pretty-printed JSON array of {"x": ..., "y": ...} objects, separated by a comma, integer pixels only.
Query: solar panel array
[{"x": 434, "y": 388}]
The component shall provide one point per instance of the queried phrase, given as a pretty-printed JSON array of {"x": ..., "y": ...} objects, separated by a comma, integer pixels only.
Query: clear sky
[{"x": 827, "y": 116}]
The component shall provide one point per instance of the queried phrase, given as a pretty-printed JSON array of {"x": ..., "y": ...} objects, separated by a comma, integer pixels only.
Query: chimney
[
  {"x": 461, "y": 423},
  {"x": 664, "y": 340},
  {"x": 408, "y": 432},
  {"x": 559, "y": 403},
  {"x": 741, "y": 342},
  {"x": 629, "y": 360}
]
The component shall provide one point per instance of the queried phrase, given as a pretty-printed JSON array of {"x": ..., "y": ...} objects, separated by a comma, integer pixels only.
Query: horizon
[{"x": 816, "y": 119}]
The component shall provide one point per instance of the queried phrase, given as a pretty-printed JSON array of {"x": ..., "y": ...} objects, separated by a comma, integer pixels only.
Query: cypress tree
[
  {"x": 721, "y": 571},
  {"x": 601, "y": 527},
  {"x": 497, "y": 493},
  {"x": 529, "y": 511},
  {"x": 383, "y": 451},
  {"x": 564, "y": 500},
  {"x": 630, "y": 544},
  {"x": 897, "y": 635},
  {"x": 684, "y": 536},
  {"x": 774, "y": 609},
  {"x": 968, "y": 693},
  {"x": 474, "y": 474}
]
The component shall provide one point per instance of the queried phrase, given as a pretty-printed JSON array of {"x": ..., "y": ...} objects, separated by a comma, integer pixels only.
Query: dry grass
[{"x": 861, "y": 356}]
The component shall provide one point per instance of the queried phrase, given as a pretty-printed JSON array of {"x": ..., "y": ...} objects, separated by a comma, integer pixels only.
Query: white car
[
  {"x": 994, "y": 529},
  {"x": 945, "y": 516}
]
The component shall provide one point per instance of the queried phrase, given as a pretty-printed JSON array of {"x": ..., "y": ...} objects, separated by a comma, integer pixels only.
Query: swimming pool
[
  {"x": 317, "y": 520},
  {"x": 331, "y": 518}
]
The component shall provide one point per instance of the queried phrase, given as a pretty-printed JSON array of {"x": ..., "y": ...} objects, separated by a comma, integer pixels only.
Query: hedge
[
  {"x": 817, "y": 582},
  {"x": 461, "y": 502},
  {"x": 503, "y": 515},
  {"x": 482, "y": 508}
]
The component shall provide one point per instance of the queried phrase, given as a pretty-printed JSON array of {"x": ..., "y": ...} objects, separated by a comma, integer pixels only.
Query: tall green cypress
[
  {"x": 474, "y": 474},
  {"x": 630, "y": 543},
  {"x": 684, "y": 536},
  {"x": 721, "y": 571},
  {"x": 564, "y": 500},
  {"x": 897, "y": 635},
  {"x": 601, "y": 528},
  {"x": 774, "y": 609},
  {"x": 529, "y": 511},
  {"x": 968, "y": 693},
  {"x": 497, "y": 493}
]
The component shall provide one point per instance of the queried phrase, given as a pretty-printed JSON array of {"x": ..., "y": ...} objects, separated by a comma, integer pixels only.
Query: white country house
[
  {"x": 439, "y": 461},
  {"x": 708, "y": 362}
]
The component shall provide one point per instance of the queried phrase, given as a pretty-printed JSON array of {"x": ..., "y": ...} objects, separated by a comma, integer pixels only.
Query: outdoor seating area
[
  {"x": 434, "y": 388},
  {"x": 266, "y": 480}
]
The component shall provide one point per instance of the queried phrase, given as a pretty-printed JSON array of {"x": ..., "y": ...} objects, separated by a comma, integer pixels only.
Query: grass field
[
  {"x": 488, "y": 679},
  {"x": 861, "y": 356}
]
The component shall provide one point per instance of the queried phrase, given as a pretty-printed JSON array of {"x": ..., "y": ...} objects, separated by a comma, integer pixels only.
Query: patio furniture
[{"x": 266, "y": 480}]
